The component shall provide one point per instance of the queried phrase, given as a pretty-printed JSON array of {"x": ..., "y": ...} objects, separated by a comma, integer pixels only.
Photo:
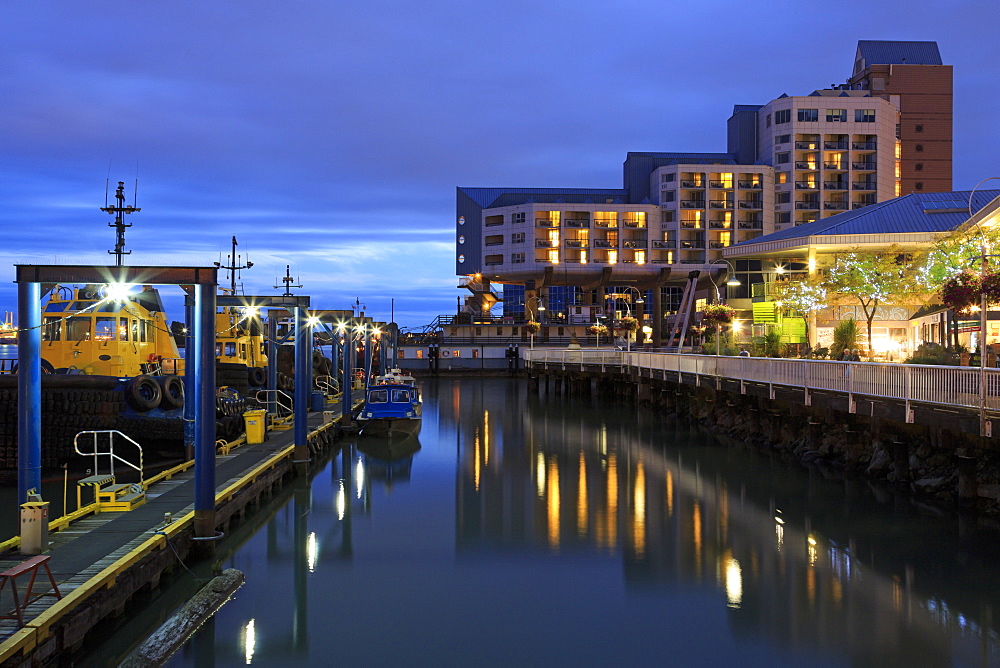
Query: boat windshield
[
  {"x": 78, "y": 328},
  {"x": 378, "y": 396},
  {"x": 400, "y": 395}
]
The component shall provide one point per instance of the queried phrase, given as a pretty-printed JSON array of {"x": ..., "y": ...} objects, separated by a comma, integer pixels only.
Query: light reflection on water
[{"x": 530, "y": 530}]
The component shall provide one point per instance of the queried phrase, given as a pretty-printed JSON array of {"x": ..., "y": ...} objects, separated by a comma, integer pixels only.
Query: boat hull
[{"x": 392, "y": 427}]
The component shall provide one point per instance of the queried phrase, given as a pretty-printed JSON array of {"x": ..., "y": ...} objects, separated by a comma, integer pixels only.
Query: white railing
[
  {"x": 326, "y": 384},
  {"x": 278, "y": 402},
  {"x": 944, "y": 385},
  {"x": 110, "y": 452}
]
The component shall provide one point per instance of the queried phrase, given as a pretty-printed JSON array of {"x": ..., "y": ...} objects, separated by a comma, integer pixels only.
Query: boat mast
[
  {"x": 234, "y": 266},
  {"x": 288, "y": 280},
  {"x": 120, "y": 224}
]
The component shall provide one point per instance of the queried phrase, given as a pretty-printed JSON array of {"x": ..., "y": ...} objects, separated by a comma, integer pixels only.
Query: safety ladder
[{"x": 110, "y": 495}]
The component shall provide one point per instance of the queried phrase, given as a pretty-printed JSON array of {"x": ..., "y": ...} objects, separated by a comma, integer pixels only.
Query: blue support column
[
  {"x": 29, "y": 390},
  {"x": 345, "y": 386},
  {"x": 190, "y": 390},
  {"x": 335, "y": 351},
  {"x": 368, "y": 354},
  {"x": 272, "y": 360},
  {"x": 303, "y": 371},
  {"x": 204, "y": 444}
]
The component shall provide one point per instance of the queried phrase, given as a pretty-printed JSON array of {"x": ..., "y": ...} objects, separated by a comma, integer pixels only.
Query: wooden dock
[{"x": 102, "y": 560}]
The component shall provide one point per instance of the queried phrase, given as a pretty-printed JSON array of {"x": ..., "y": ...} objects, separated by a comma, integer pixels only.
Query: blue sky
[{"x": 331, "y": 136}]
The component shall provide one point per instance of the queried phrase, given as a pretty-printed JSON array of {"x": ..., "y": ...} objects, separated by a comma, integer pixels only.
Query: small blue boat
[{"x": 391, "y": 410}]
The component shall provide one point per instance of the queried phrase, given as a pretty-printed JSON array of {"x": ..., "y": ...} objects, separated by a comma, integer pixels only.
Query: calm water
[{"x": 534, "y": 531}]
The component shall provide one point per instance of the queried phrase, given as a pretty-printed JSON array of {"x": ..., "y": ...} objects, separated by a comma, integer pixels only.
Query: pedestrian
[{"x": 744, "y": 352}]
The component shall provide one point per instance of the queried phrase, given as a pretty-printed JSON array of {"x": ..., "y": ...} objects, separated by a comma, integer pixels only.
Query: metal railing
[
  {"x": 928, "y": 384},
  {"x": 326, "y": 384},
  {"x": 110, "y": 452},
  {"x": 278, "y": 402}
]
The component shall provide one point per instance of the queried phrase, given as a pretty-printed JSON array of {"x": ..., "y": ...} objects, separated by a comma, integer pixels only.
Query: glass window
[
  {"x": 808, "y": 115},
  {"x": 104, "y": 329},
  {"x": 781, "y": 177},
  {"x": 517, "y": 217},
  {"x": 782, "y": 139},
  {"x": 400, "y": 395},
  {"x": 767, "y": 121},
  {"x": 123, "y": 329},
  {"x": 78, "y": 328},
  {"x": 864, "y": 115},
  {"x": 782, "y": 116},
  {"x": 782, "y": 158},
  {"x": 836, "y": 115},
  {"x": 52, "y": 329},
  {"x": 378, "y": 396},
  {"x": 56, "y": 307}
]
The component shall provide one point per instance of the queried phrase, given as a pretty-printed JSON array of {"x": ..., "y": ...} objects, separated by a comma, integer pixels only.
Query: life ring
[
  {"x": 154, "y": 358},
  {"x": 445, "y": 353}
]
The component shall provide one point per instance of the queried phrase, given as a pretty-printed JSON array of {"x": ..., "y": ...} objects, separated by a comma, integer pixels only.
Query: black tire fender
[
  {"x": 172, "y": 391},
  {"x": 143, "y": 393},
  {"x": 257, "y": 376}
]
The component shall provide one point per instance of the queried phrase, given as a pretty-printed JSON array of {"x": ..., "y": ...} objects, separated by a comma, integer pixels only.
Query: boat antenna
[
  {"x": 288, "y": 280},
  {"x": 119, "y": 212},
  {"x": 234, "y": 265}
]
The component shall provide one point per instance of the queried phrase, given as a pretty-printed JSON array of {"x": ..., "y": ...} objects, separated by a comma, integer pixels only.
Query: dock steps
[{"x": 121, "y": 497}]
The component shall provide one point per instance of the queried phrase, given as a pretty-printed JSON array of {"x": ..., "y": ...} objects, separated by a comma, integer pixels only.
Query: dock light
[
  {"x": 251, "y": 312},
  {"x": 312, "y": 320},
  {"x": 117, "y": 292},
  {"x": 734, "y": 282}
]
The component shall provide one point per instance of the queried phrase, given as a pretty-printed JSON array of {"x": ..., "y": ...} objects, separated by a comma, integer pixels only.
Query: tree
[
  {"x": 871, "y": 280},
  {"x": 804, "y": 296}
]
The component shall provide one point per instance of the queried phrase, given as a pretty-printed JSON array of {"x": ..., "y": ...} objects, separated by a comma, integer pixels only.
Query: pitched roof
[
  {"x": 899, "y": 53},
  {"x": 917, "y": 213}
]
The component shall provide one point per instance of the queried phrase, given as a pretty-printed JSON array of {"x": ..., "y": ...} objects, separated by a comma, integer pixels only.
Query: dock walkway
[{"x": 89, "y": 546}]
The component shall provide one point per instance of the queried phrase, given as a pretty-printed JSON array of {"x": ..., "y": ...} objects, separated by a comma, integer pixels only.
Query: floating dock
[{"x": 101, "y": 561}]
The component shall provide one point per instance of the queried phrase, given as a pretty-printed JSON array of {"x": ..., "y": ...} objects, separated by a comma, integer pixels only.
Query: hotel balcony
[
  {"x": 807, "y": 206},
  {"x": 576, "y": 243},
  {"x": 865, "y": 166},
  {"x": 720, "y": 184},
  {"x": 864, "y": 145},
  {"x": 720, "y": 204},
  {"x": 693, "y": 245},
  {"x": 835, "y": 145},
  {"x": 545, "y": 222},
  {"x": 690, "y": 224},
  {"x": 670, "y": 243},
  {"x": 715, "y": 245},
  {"x": 634, "y": 224},
  {"x": 569, "y": 222},
  {"x": 806, "y": 164},
  {"x": 807, "y": 145},
  {"x": 806, "y": 185},
  {"x": 751, "y": 204},
  {"x": 606, "y": 223},
  {"x": 835, "y": 185},
  {"x": 835, "y": 206},
  {"x": 753, "y": 185},
  {"x": 865, "y": 185},
  {"x": 693, "y": 184},
  {"x": 493, "y": 243},
  {"x": 545, "y": 243},
  {"x": 835, "y": 166},
  {"x": 720, "y": 224},
  {"x": 692, "y": 204},
  {"x": 751, "y": 225},
  {"x": 635, "y": 243},
  {"x": 604, "y": 243}
]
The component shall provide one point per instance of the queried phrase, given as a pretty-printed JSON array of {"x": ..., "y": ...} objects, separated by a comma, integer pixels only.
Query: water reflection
[{"x": 523, "y": 512}]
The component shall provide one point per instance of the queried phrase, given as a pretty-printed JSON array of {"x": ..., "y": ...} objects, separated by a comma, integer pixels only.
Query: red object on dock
[{"x": 10, "y": 575}]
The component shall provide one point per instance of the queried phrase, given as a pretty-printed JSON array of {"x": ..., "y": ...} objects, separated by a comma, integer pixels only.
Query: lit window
[{"x": 836, "y": 115}]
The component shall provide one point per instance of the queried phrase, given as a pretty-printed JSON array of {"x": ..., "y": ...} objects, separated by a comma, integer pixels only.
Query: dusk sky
[{"x": 331, "y": 136}]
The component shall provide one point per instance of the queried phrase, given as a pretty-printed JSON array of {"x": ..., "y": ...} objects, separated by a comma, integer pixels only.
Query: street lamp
[
  {"x": 982, "y": 314},
  {"x": 730, "y": 280},
  {"x": 540, "y": 306}
]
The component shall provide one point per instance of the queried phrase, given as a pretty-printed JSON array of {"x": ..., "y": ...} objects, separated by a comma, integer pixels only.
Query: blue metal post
[
  {"x": 383, "y": 351},
  {"x": 190, "y": 390},
  {"x": 334, "y": 353},
  {"x": 272, "y": 360},
  {"x": 303, "y": 361},
  {"x": 368, "y": 354},
  {"x": 345, "y": 386},
  {"x": 204, "y": 381},
  {"x": 394, "y": 333},
  {"x": 29, "y": 390}
]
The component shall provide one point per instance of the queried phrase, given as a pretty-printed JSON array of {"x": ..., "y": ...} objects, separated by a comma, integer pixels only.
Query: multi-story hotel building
[
  {"x": 791, "y": 161},
  {"x": 832, "y": 151}
]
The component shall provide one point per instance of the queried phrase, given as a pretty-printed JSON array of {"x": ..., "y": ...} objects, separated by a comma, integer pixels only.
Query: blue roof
[
  {"x": 914, "y": 213},
  {"x": 877, "y": 52},
  {"x": 493, "y": 197}
]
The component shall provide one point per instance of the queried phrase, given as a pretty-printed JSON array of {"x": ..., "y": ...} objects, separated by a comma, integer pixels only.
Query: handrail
[
  {"x": 326, "y": 384},
  {"x": 923, "y": 383},
  {"x": 111, "y": 450},
  {"x": 281, "y": 407}
]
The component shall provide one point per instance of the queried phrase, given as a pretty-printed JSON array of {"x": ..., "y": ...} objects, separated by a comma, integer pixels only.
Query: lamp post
[
  {"x": 983, "y": 427},
  {"x": 729, "y": 281},
  {"x": 540, "y": 306},
  {"x": 638, "y": 301}
]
